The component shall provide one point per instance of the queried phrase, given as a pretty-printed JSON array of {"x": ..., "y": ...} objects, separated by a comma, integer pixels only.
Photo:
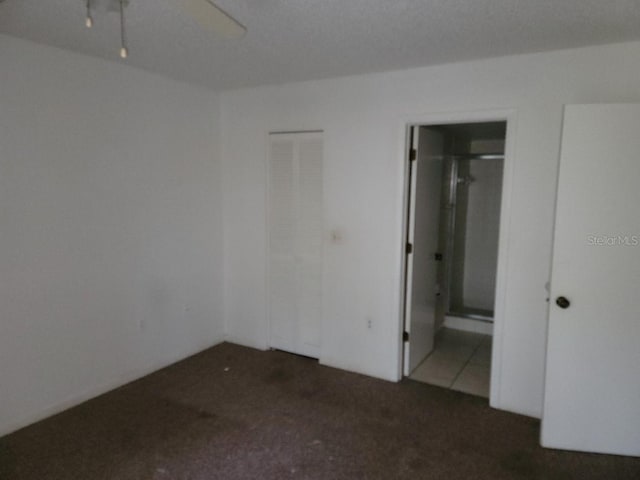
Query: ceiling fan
[{"x": 205, "y": 12}]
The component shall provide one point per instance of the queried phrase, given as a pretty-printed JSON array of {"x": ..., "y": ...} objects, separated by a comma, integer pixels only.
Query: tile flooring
[{"x": 460, "y": 361}]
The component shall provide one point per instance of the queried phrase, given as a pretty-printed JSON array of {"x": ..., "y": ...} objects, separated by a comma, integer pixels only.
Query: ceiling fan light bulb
[
  {"x": 124, "y": 53},
  {"x": 89, "y": 21}
]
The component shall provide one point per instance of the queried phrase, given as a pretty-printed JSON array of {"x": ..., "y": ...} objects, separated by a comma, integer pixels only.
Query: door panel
[
  {"x": 592, "y": 394},
  {"x": 309, "y": 245},
  {"x": 282, "y": 264},
  {"x": 424, "y": 222}
]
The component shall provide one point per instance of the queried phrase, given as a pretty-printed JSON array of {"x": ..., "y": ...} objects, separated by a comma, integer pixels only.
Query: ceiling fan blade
[{"x": 210, "y": 16}]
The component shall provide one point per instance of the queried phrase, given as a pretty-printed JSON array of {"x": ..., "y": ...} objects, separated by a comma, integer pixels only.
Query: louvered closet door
[{"x": 295, "y": 242}]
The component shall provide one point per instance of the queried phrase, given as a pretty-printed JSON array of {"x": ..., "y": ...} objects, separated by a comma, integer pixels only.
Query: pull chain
[
  {"x": 89, "y": 20},
  {"x": 124, "y": 51}
]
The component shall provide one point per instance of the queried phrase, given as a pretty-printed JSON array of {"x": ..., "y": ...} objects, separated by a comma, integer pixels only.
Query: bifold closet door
[{"x": 295, "y": 242}]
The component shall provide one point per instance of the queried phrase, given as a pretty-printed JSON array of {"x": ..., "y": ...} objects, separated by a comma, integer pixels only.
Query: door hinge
[
  {"x": 409, "y": 248},
  {"x": 413, "y": 154},
  {"x": 405, "y": 336}
]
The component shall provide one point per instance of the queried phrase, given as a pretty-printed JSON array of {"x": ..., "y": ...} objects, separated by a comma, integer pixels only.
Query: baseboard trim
[
  {"x": 245, "y": 342},
  {"x": 468, "y": 325}
]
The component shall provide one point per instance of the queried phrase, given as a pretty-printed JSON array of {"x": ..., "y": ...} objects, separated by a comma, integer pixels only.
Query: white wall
[
  {"x": 362, "y": 118},
  {"x": 110, "y": 227}
]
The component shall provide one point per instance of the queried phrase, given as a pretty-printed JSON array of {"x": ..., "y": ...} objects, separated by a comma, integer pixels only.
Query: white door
[
  {"x": 592, "y": 395},
  {"x": 295, "y": 242},
  {"x": 424, "y": 221}
]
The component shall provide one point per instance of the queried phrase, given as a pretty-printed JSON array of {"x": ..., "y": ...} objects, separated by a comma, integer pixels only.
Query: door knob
[{"x": 563, "y": 302}]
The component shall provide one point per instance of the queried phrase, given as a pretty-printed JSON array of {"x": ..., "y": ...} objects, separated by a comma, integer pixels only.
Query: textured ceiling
[{"x": 291, "y": 40}]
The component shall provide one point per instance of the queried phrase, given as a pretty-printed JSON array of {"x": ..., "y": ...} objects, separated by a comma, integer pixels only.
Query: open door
[
  {"x": 425, "y": 183},
  {"x": 592, "y": 394}
]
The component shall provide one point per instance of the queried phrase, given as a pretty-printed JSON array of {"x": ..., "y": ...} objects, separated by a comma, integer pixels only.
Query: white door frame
[{"x": 445, "y": 118}]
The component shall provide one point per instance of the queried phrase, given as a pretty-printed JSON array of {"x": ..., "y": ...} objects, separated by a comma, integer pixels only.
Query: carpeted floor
[{"x": 237, "y": 413}]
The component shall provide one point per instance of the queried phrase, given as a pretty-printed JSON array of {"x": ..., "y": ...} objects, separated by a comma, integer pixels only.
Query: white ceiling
[{"x": 291, "y": 40}]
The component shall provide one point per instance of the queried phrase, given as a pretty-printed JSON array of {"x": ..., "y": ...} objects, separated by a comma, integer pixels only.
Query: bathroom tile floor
[{"x": 460, "y": 361}]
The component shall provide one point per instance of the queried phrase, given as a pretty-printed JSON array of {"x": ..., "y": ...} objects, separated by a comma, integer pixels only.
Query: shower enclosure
[{"x": 470, "y": 218}]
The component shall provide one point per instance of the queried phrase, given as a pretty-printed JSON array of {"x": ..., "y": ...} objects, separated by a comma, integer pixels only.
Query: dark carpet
[{"x": 237, "y": 413}]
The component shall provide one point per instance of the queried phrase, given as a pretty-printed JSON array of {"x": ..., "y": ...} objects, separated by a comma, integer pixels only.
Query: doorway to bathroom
[{"x": 454, "y": 198}]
